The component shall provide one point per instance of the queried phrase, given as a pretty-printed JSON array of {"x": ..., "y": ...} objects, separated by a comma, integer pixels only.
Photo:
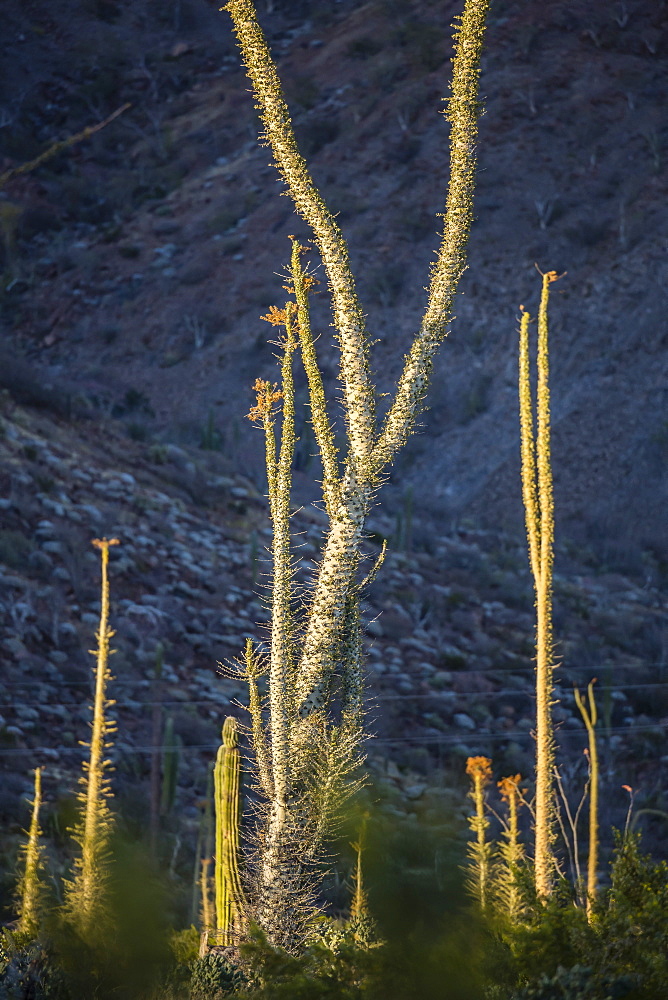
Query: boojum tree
[
  {"x": 85, "y": 892},
  {"x": 539, "y": 515},
  {"x": 306, "y": 735}
]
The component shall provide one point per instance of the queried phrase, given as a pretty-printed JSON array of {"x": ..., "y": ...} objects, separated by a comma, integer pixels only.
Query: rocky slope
[
  {"x": 132, "y": 287},
  {"x": 449, "y": 635},
  {"x": 144, "y": 257}
]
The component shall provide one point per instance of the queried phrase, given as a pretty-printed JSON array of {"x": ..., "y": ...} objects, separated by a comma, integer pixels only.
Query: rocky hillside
[
  {"x": 136, "y": 265},
  {"x": 449, "y": 631}
]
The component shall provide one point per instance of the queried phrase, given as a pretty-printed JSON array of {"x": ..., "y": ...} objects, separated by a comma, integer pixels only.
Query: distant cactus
[
  {"x": 206, "y": 913},
  {"x": 200, "y": 912},
  {"x": 229, "y": 892},
  {"x": 359, "y": 907},
  {"x": 156, "y": 741},
  {"x": 85, "y": 893},
  {"x": 30, "y": 885},
  {"x": 171, "y": 757},
  {"x": 590, "y": 718}
]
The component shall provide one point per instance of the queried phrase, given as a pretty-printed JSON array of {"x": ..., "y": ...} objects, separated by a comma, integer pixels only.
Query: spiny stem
[
  {"x": 322, "y": 427},
  {"x": 30, "y": 884},
  {"x": 511, "y": 851},
  {"x": 95, "y": 827},
  {"x": 539, "y": 512},
  {"x": 281, "y": 663},
  {"x": 257, "y": 726},
  {"x": 348, "y": 313},
  {"x": 479, "y": 770},
  {"x": 528, "y": 447},
  {"x": 590, "y": 718}
]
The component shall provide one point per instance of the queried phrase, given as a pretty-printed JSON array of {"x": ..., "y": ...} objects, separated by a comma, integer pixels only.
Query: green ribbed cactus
[
  {"x": 30, "y": 885},
  {"x": 226, "y": 783}
]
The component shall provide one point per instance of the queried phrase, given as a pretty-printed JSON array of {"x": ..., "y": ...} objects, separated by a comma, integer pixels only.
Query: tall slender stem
[
  {"x": 590, "y": 718},
  {"x": 539, "y": 512}
]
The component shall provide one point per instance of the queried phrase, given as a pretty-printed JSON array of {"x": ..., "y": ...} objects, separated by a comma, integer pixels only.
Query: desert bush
[
  {"x": 214, "y": 977},
  {"x": 556, "y": 953}
]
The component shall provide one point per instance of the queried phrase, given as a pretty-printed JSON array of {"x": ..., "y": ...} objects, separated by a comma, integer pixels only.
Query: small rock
[
  {"x": 441, "y": 679},
  {"x": 464, "y": 721},
  {"x": 56, "y": 548},
  {"x": 14, "y": 647},
  {"x": 40, "y": 561},
  {"x": 413, "y": 792},
  {"x": 92, "y": 512},
  {"x": 25, "y": 712}
]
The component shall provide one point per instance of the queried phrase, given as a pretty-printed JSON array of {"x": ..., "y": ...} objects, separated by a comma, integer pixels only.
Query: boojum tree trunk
[{"x": 306, "y": 736}]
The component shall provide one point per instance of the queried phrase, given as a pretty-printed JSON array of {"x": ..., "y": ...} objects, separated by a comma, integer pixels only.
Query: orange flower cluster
[
  {"x": 479, "y": 767},
  {"x": 104, "y": 543},
  {"x": 510, "y": 786},
  {"x": 266, "y": 397},
  {"x": 278, "y": 317}
]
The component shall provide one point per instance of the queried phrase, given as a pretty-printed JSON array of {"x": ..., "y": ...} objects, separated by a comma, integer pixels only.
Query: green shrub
[
  {"x": 214, "y": 977},
  {"x": 557, "y": 955},
  {"x": 28, "y": 972},
  {"x": 568, "y": 984}
]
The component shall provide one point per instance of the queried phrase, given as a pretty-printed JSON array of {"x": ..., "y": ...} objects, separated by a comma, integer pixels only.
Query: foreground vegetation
[
  {"x": 425, "y": 939},
  {"x": 523, "y": 929}
]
